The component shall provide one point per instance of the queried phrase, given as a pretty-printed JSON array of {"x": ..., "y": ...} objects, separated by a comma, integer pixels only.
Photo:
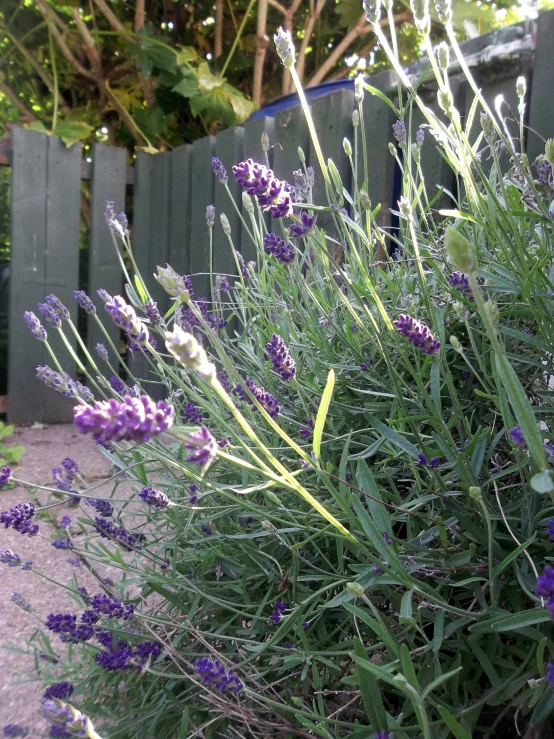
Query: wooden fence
[{"x": 172, "y": 189}]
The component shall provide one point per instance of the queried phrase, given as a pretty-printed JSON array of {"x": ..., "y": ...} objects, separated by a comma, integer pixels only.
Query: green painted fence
[{"x": 171, "y": 191}]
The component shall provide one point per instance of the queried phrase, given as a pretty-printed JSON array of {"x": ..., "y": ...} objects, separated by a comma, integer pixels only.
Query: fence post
[
  {"x": 45, "y": 213},
  {"x": 109, "y": 174},
  {"x": 180, "y": 209},
  {"x": 202, "y": 195},
  {"x": 541, "y": 106},
  {"x": 228, "y": 148}
]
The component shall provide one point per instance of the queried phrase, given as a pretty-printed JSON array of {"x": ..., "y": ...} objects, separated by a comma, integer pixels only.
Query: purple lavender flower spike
[
  {"x": 84, "y": 301},
  {"x": 7, "y": 557},
  {"x": 66, "y": 717},
  {"x": 420, "y": 137},
  {"x": 191, "y": 414},
  {"x": 282, "y": 362},
  {"x": 307, "y": 430},
  {"x": 19, "y": 518},
  {"x": 204, "y": 446},
  {"x": 64, "y": 522},
  {"x": 21, "y": 602},
  {"x": 264, "y": 398},
  {"x": 278, "y": 248},
  {"x": 550, "y": 674},
  {"x": 416, "y": 332},
  {"x": 301, "y": 229},
  {"x": 399, "y": 130},
  {"x": 62, "y": 544},
  {"x": 387, "y": 538},
  {"x": 104, "y": 296},
  {"x": 58, "y": 690},
  {"x": 219, "y": 170},
  {"x": 118, "y": 385},
  {"x": 103, "y": 605},
  {"x": 460, "y": 282},
  {"x": 102, "y": 352},
  {"x": 34, "y": 325},
  {"x": 382, "y": 734},
  {"x": 210, "y": 216},
  {"x": 152, "y": 312},
  {"x": 50, "y": 315},
  {"x": 215, "y": 675},
  {"x": 273, "y": 194},
  {"x": 517, "y": 437},
  {"x": 127, "y": 541},
  {"x": 57, "y": 306},
  {"x": 5, "y": 474},
  {"x": 102, "y": 506},
  {"x": 132, "y": 419},
  {"x": 154, "y": 498},
  {"x": 545, "y": 588},
  {"x": 124, "y": 316},
  {"x": 11, "y": 731}
]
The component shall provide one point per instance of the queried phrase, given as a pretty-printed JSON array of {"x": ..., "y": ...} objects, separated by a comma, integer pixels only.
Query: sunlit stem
[{"x": 311, "y": 127}]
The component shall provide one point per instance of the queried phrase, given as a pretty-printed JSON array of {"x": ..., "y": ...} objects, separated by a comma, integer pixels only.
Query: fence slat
[
  {"x": 228, "y": 148},
  {"x": 109, "y": 171},
  {"x": 332, "y": 116},
  {"x": 378, "y": 120},
  {"x": 291, "y": 132},
  {"x": 252, "y": 149},
  {"x": 541, "y": 107},
  {"x": 45, "y": 213},
  {"x": 180, "y": 197},
  {"x": 202, "y": 195}
]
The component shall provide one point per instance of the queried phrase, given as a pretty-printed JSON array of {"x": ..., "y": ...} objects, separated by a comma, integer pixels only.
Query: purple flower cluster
[
  {"x": 11, "y": 731},
  {"x": 279, "y": 607},
  {"x": 399, "y": 130},
  {"x": 21, "y": 602},
  {"x": 278, "y": 248},
  {"x": 64, "y": 522},
  {"x": 517, "y": 437},
  {"x": 58, "y": 690},
  {"x": 5, "y": 474},
  {"x": 307, "y": 430},
  {"x": 122, "y": 656},
  {"x": 264, "y": 398},
  {"x": 305, "y": 226},
  {"x": 19, "y": 518},
  {"x": 108, "y": 530},
  {"x": 214, "y": 674},
  {"x": 204, "y": 447},
  {"x": 460, "y": 282},
  {"x": 545, "y": 172},
  {"x": 124, "y": 316},
  {"x": 191, "y": 414},
  {"x": 64, "y": 476},
  {"x": 132, "y": 419},
  {"x": 273, "y": 194},
  {"x": 62, "y": 544},
  {"x": 383, "y": 734},
  {"x": 7, "y": 557},
  {"x": 34, "y": 325},
  {"x": 433, "y": 463},
  {"x": 118, "y": 385},
  {"x": 416, "y": 332},
  {"x": 84, "y": 301},
  {"x": 53, "y": 311},
  {"x": 210, "y": 215},
  {"x": 63, "y": 717},
  {"x": 545, "y": 588},
  {"x": 102, "y": 507},
  {"x": 219, "y": 170},
  {"x": 118, "y": 223},
  {"x": 152, "y": 312},
  {"x": 283, "y": 363},
  {"x": 102, "y": 352},
  {"x": 189, "y": 322},
  {"x": 153, "y": 497},
  {"x": 303, "y": 184},
  {"x": 64, "y": 384},
  {"x": 103, "y": 605}
]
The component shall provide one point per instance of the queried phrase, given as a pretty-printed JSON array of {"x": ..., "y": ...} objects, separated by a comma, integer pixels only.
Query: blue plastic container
[{"x": 289, "y": 101}]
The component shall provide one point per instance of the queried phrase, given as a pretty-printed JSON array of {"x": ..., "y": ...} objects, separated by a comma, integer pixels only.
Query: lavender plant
[{"x": 339, "y": 514}]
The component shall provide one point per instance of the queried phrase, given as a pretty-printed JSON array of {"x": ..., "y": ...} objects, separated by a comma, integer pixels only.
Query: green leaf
[
  {"x": 395, "y": 437},
  {"x": 214, "y": 106},
  {"x": 242, "y": 106},
  {"x": 405, "y": 617},
  {"x": 378, "y": 629},
  {"x": 367, "y": 484},
  {"x": 140, "y": 289},
  {"x": 542, "y": 482},
  {"x": 37, "y": 126},
  {"x": 207, "y": 81},
  {"x": 439, "y": 681},
  {"x": 188, "y": 86},
  {"x": 369, "y": 689},
  {"x": 501, "y": 566},
  {"x": 522, "y": 409},
  {"x": 72, "y": 131},
  {"x": 543, "y": 709},
  {"x": 458, "y": 731},
  {"x": 157, "y": 55},
  {"x": 512, "y": 622},
  {"x": 187, "y": 54},
  {"x": 322, "y": 413}
]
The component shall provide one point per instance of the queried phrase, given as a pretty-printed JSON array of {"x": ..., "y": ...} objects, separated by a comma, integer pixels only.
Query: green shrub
[{"x": 359, "y": 554}]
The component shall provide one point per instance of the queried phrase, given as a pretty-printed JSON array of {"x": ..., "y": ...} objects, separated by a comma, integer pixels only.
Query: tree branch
[
  {"x": 362, "y": 27},
  {"x": 280, "y": 8},
  {"x": 6, "y": 90},
  {"x": 112, "y": 19},
  {"x": 50, "y": 18},
  {"x": 310, "y": 23},
  {"x": 139, "y": 15},
  {"x": 218, "y": 42},
  {"x": 145, "y": 83},
  {"x": 262, "y": 42}
]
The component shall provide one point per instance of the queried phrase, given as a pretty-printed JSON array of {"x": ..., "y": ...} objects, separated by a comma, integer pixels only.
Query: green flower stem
[
  {"x": 490, "y": 552},
  {"x": 79, "y": 363},
  {"x": 115, "y": 351},
  {"x": 237, "y": 211}
]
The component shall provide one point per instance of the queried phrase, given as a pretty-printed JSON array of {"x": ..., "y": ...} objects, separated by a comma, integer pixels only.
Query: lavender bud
[
  {"x": 219, "y": 170},
  {"x": 188, "y": 352},
  {"x": 265, "y": 141},
  {"x": 84, "y": 301},
  {"x": 347, "y": 146},
  {"x": 65, "y": 717},
  {"x": 173, "y": 283},
  {"x": 459, "y": 250},
  {"x": 285, "y": 48},
  {"x": 102, "y": 352},
  {"x": 355, "y": 118},
  {"x": 359, "y": 88},
  {"x": 225, "y": 224},
  {"x": 443, "y": 56},
  {"x": 34, "y": 325},
  {"x": 210, "y": 215},
  {"x": 247, "y": 202}
]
